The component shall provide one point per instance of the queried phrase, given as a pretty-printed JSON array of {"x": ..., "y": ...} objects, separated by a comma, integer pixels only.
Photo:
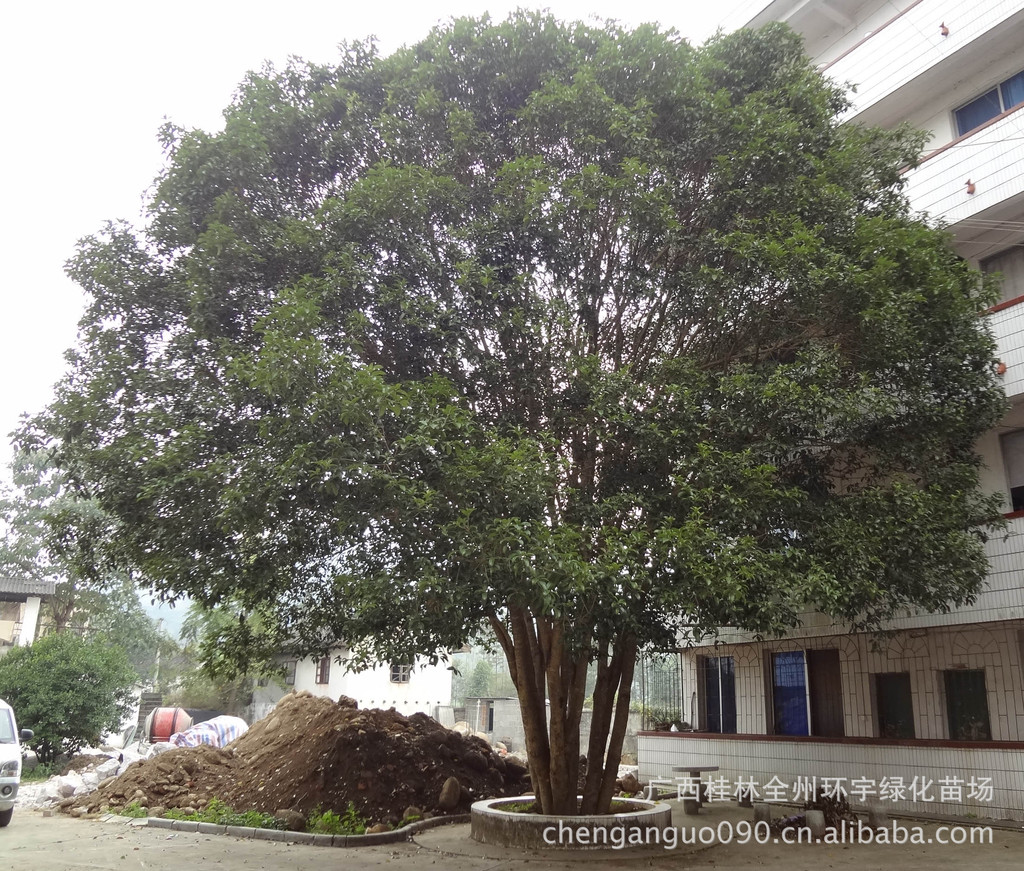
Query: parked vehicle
[{"x": 10, "y": 761}]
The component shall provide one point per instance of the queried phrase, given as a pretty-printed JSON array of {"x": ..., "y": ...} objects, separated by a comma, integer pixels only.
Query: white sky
[{"x": 88, "y": 85}]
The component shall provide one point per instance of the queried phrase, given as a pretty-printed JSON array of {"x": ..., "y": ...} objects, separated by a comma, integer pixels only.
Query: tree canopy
[
  {"x": 68, "y": 690},
  {"x": 54, "y": 531},
  {"x": 576, "y": 331}
]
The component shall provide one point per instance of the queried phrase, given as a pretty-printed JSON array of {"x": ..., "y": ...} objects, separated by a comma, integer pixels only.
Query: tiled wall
[
  {"x": 872, "y": 765},
  {"x": 1001, "y": 599},
  {"x": 998, "y": 649}
]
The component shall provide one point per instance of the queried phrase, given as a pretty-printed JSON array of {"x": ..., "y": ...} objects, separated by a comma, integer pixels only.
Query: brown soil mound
[{"x": 312, "y": 752}]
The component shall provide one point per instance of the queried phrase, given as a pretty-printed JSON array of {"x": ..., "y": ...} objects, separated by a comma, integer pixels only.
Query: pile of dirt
[{"x": 312, "y": 753}]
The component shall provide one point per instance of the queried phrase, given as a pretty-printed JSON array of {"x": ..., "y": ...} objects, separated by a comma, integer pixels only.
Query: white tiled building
[{"x": 941, "y": 699}]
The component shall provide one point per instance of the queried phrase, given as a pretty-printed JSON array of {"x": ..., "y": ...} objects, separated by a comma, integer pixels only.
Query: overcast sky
[{"x": 87, "y": 87}]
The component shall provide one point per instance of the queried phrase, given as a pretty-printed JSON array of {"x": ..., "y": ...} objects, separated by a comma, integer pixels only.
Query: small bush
[{"x": 351, "y": 822}]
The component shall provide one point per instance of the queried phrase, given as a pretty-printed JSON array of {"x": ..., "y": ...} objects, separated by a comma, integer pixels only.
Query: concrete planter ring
[{"x": 491, "y": 825}]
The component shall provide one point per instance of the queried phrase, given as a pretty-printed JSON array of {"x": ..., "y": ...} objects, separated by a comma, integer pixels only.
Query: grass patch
[
  {"x": 350, "y": 822},
  {"x": 134, "y": 809},
  {"x": 220, "y": 814},
  {"x": 43, "y": 771}
]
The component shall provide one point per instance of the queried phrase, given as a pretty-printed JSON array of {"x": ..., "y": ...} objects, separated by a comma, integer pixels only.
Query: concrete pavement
[{"x": 36, "y": 843}]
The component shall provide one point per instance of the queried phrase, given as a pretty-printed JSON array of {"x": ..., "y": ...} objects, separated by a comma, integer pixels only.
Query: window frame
[
  {"x": 323, "y": 671},
  {"x": 401, "y": 673},
  {"x": 948, "y": 676},
  {"x": 814, "y": 717},
  {"x": 1016, "y": 500},
  {"x": 290, "y": 667},
  {"x": 1000, "y": 91},
  {"x": 886, "y": 729},
  {"x": 712, "y": 667}
]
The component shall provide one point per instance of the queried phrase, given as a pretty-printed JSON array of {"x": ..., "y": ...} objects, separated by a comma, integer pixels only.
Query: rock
[
  {"x": 815, "y": 821},
  {"x": 293, "y": 820},
  {"x": 450, "y": 795},
  {"x": 378, "y": 829},
  {"x": 348, "y": 702},
  {"x": 500, "y": 748},
  {"x": 412, "y": 812},
  {"x": 462, "y": 727},
  {"x": 629, "y": 784},
  {"x": 878, "y": 817},
  {"x": 107, "y": 769},
  {"x": 157, "y": 811}
]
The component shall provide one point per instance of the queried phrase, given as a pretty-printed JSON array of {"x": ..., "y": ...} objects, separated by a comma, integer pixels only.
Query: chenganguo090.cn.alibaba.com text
[{"x": 566, "y": 834}]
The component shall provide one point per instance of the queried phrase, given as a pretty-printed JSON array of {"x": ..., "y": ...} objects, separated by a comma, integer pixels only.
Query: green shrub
[
  {"x": 134, "y": 809},
  {"x": 67, "y": 690},
  {"x": 222, "y": 815},
  {"x": 351, "y": 822}
]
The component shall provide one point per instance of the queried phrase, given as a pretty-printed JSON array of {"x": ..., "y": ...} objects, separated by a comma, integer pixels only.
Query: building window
[
  {"x": 718, "y": 682},
  {"x": 1000, "y": 99},
  {"x": 323, "y": 670},
  {"x": 807, "y": 697},
  {"x": 894, "y": 705},
  {"x": 1010, "y": 266},
  {"x": 967, "y": 705},
  {"x": 289, "y": 672},
  {"x": 1013, "y": 461},
  {"x": 400, "y": 673}
]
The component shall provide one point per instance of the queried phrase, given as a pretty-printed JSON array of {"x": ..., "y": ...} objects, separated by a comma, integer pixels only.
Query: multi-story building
[{"x": 928, "y": 717}]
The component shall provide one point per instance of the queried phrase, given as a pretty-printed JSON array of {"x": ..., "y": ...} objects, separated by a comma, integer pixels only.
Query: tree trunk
[{"x": 550, "y": 680}]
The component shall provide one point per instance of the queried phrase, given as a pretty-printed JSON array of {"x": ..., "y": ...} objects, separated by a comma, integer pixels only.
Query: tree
[
  {"x": 217, "y": 680},
  {"x": 576, "y": 332},
  {"x": 51, "y": 531},
  {"x": 68, "y": 690}
]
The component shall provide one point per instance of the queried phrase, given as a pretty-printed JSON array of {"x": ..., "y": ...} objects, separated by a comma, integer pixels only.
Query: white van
[{"x": 10, "y": 761}]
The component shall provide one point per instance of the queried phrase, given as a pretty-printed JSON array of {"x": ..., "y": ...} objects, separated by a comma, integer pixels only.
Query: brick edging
[{"x": 309, "y": 838}]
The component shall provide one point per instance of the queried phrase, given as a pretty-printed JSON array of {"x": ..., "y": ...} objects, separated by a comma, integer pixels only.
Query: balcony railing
[
  {"x": 912, "y": 43},
  {"x": 989, "y": 157},
  {"x": 1007, "y": 323}
]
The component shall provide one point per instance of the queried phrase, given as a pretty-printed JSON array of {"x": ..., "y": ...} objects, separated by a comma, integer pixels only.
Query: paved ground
[{"x": 58, "y": 843}]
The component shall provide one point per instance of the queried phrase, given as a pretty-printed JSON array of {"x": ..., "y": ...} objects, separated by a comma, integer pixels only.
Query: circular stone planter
[{"x": 490, "y": 825}]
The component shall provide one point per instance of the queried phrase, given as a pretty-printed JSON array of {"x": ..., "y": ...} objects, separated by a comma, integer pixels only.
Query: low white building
[{"x": 406, "y": 687}]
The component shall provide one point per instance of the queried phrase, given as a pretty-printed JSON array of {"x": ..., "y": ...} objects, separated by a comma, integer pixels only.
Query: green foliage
[
  {"x": 216, "y": 811},
  {"x": 68, "y": 690},
  {"x": 349, "y": 822},
  {"x": 134, "y": 809},
  {"x": 43, "y": 771},
  {"x": 52, "y": 530},
  {"x": 217, "y": 681},
  {"x": 575, "y": 331}
]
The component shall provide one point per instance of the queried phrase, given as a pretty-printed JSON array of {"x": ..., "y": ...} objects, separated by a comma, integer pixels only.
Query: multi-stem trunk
[{"x": 550, "y": 678}]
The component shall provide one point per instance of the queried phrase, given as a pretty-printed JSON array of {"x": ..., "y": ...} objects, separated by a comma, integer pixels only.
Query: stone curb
[{"x": 308, "y": 838}]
